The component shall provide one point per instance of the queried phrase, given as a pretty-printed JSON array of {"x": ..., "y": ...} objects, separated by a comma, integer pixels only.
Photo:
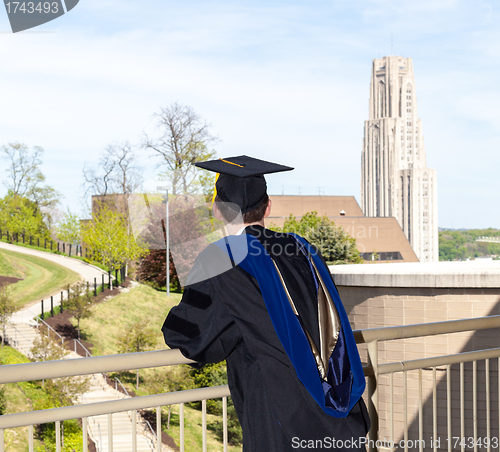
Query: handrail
[
  {"x": 123, "y": 387},
  {"x": 151, "y": 445},
  {"x": 48, "y": 326},
  {"x": 435, "y": 361},
  {"x": 114, "y": 406},
  {"x": 89, "y": 355},
  {"x": 12, "y": 325},
  {"x": 425, "y": 329},
  {"x": 13, "y": 373}
]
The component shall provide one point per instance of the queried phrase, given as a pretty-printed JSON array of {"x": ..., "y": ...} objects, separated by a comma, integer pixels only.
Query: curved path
[{"x": 87, "y": 271}]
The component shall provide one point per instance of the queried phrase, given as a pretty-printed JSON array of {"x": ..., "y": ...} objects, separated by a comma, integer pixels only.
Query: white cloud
[{"x": 287, "y": 82}]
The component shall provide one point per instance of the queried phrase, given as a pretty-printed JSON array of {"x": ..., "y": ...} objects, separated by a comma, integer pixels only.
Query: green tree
[
  {"x": 79, "y": 302},
  {"x": 7, "y": 308},
  {"x": 216, "y": 375},
  {"x": 19, "y": 215},
  {"x": 68, "y": 229},
  {"x": 110, "y": 240},
  {"x": 24, "y": 176},
  {"x": 332, "y": 241},
  {"x": 462, "y": 244},
  {"x": 138, "y": 337},
  {"x": 60, "y": 391},
  {"x": 3, "y": 401}
]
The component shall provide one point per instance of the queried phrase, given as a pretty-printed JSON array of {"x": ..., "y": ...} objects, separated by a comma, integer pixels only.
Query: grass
[
  {"x": 193, "y": 430},
  {"x": 16, "y": 439},
  {"x": 40, "y": 278},
  {"x": 54, "y": 251},
  {"x": 8, "y": 268},
  {"x": 110, "y": 319},
  {"x": 28, "y": 396}
]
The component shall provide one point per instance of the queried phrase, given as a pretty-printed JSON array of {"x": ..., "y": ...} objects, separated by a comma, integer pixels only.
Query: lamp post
[{"x": 167, "y": 239}]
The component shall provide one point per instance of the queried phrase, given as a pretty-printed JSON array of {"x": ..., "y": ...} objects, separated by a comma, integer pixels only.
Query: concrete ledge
[{"x": 472, "y": 274}]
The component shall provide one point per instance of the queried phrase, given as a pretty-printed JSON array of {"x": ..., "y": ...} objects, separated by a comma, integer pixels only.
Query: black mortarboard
[{"x": 241, "y": 179}]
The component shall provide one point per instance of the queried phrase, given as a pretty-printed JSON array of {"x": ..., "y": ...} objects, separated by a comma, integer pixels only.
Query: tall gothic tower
[{"x": 395, "y": 180}]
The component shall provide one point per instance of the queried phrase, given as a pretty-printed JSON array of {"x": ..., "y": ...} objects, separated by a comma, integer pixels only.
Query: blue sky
[{"x": 284, "y": 81}]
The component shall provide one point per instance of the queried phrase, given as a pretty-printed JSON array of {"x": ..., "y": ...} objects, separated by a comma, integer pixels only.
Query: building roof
[{"x": 372, "y": 234}]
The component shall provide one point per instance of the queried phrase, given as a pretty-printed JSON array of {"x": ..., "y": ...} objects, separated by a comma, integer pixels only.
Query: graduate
[{"x": 267, "y": 304}]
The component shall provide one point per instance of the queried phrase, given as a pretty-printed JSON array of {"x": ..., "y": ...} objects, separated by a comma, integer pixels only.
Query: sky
[{"x": 286, "y": 81}]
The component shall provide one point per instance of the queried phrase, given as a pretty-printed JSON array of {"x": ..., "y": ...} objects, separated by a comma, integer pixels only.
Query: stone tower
[{"x": 395, "y": 180}]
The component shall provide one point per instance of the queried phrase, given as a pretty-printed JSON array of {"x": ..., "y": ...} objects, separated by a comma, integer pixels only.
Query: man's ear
[
  {"x": 268, "y": 209},
  {"x": 216, "y": 211}
]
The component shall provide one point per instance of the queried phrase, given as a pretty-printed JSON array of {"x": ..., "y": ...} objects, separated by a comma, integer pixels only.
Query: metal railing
[
  {"x": 374, "y": 372},
  {"x": 396, "y": 415}
]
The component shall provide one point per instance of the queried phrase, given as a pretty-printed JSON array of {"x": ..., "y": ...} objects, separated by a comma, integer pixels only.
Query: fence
[
  {"x": 44, "y": 243},
  {"x": 396, "y": 415}
]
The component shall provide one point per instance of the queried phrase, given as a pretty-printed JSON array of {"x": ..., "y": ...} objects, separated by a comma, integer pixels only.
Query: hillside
[
  {"x": 37, "y": 278},
  {"x": 461, "y": 244}
]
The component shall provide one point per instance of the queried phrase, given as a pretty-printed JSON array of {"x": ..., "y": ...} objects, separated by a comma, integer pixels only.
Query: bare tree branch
[
  {"x": 116, "y": 172},
  {"x": 184, "y": 140}
]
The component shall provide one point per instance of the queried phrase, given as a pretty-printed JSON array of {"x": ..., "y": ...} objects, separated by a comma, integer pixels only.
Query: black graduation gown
[{"x": 224, "y": 317}]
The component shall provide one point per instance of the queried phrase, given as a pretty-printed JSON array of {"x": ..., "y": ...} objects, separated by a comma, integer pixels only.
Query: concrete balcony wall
[{"x": 385, "y": 295}]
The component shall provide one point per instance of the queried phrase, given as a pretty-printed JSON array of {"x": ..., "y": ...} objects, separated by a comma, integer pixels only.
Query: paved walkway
[
  {"x": 87, "y": 271},
  {"x": 22, "y": 334}
]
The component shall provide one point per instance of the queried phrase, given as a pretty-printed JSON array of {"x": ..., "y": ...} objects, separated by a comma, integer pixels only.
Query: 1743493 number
[
  {"x": 470, "y": 442},
  {"x": 39, "y": 7}
]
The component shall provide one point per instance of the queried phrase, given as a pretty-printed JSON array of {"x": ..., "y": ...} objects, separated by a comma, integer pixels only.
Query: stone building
[{"x": 395, "y": 180}]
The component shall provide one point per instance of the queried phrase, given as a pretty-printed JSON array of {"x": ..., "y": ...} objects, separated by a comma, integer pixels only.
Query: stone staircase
[
  {"x": 21, "y": 336},
  {"x": 122, "y": 425}
]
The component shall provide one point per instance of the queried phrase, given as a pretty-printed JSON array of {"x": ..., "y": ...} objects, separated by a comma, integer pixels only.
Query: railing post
[
  {"x": 134, "y": 431},
  {"x": 31, "y": 446},
  {"x": 51, "y": 306},
  {"x": 110, "y": 432},
  {"x": 373, "y": 394},
  {"x": 62, "y": 298},
  {"x": 85, "y": 437},
  {"x": 58, "y": 436},
  {"x": 42, "y": 311},
  {"x": 95, "y": 287},
  {"x": 181, "y": 426},
  {"x": 158, "y": 429}
]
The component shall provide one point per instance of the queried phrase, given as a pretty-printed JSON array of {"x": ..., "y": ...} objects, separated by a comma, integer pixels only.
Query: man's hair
[{"x": 253, "y": 216}]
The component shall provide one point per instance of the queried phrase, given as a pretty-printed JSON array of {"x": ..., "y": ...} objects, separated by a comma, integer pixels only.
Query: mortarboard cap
[{"x": 241, "y": 179}]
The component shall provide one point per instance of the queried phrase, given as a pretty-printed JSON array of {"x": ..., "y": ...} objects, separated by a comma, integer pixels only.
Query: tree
[
  {"x": 333, "y": 242},
  {"x": 20, "y": 215},
  {"x": 108, "y": 237},
  {"x": 79, "y": 302},
  {"x": 68, "y": 229},
  {"x": 184, "y": 140},
  {"x": 7, "y": 308},
  {"x": 60, "y": 391},
  {"x": 25, "y": 178},
  {"x": 138, "y": 337},
  {"x": 116, "y": 172}
]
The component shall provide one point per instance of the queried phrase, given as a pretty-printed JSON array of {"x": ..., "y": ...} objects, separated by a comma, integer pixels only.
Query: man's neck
[{"x": 236, "y": 229}]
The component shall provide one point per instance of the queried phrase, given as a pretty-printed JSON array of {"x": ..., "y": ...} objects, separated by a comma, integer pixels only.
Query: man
[{"x": 266, "y": 303}]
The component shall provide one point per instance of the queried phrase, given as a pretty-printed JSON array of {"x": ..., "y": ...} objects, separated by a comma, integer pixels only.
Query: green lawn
[
  {"x": 40, "y": 278},
  {"x": 111, "y": 318}
]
